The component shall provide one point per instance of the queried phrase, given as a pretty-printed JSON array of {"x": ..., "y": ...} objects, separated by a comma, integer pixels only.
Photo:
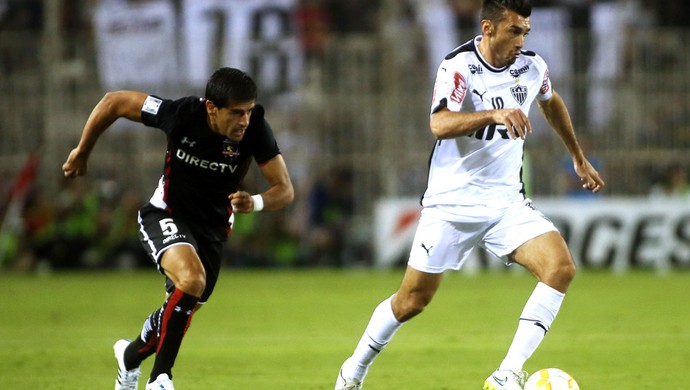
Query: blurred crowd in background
[{"x": 92, "y": 223}]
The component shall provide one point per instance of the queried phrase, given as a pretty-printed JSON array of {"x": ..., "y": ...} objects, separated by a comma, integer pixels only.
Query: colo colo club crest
[{"x": 231, "y": 149}]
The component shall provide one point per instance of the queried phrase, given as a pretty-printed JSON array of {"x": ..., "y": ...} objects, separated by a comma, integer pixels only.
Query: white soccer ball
[{"x": 551, "y": 379}]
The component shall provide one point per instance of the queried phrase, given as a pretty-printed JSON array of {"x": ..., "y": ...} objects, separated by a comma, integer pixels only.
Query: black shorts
[{"x": 158, "y": 231}]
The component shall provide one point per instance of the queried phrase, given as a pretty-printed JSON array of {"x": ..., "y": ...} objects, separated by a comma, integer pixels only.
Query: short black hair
[
  {"x": 228, "y": 85},
  {"x": 493, "y": 10}
]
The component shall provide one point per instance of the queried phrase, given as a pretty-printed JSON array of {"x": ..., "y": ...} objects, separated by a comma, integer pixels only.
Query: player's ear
[
  {"x": 487, "y": 27},
  {"x": 211, "y": 107}
]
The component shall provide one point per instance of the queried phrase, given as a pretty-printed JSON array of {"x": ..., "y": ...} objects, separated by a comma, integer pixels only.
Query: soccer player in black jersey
[{"x": 211, "y": 143}]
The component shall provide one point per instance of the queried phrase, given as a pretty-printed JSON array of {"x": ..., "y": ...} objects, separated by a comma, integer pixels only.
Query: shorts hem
[{"x": 433, "y": 270}]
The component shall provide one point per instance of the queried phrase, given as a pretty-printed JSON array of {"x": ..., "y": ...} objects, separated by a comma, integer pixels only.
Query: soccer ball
[{"x": 551, "y": 379}]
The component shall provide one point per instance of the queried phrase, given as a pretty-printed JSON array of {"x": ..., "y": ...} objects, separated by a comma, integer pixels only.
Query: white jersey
[{"x": 484, "y": 168}]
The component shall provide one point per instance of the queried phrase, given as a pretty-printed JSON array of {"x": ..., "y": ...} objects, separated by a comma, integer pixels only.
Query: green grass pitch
[{"x": 285, "y": 329}]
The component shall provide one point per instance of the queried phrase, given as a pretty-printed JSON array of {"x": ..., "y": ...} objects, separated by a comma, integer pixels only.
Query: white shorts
[{"x": 441, "y": 245}]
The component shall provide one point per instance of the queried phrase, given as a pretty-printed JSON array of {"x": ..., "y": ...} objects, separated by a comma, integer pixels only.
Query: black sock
[
  {"x": 145, "y": 344},
  {"x": 175, "y": 319}
]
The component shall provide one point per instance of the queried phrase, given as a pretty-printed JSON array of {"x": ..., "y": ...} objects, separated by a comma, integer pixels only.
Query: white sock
[
  {"x": 381, "y": 328},
  {"x": 536, "y": 319}
]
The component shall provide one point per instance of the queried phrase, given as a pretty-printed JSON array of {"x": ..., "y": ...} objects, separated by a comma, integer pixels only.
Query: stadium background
[{"x": 347, "y": 85}]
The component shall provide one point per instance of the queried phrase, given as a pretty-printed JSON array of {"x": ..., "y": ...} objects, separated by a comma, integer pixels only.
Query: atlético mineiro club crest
[
  {"x": 231, "y": 149},
  {"x": 519, "y": 92}
]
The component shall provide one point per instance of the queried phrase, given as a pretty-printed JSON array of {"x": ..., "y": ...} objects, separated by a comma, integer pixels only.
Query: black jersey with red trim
[{"x": 202, "y": 168}]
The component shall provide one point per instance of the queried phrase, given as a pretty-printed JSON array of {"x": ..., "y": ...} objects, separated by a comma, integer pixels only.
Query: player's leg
[
  {"x": 184, "y": 268},
  {"x": 526, "y": 237},
  {"x": 548, "y": 258},
  {"x": 172, "y": 246},
  {"x": 144, "y": 345},
  {"x": 415, "y": 292},
  {"x": 438, "y": 246}
]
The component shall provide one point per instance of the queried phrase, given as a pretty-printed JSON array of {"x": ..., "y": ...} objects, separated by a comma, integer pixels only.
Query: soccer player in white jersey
[{"x": 475, "y": 196}]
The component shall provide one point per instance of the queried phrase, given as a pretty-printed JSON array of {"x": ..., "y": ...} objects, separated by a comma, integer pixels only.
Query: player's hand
[
  {"x": 516, "y": 122},
  {"x": 75, "y": 164},
  {"x": 241, "y": 202},
  {"x": 589, "y": 176}
]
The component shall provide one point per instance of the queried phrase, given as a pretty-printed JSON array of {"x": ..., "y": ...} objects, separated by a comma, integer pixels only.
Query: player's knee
[
  {"x": 569, "y": 271},
  {"x": 192, "y": 283},
  {"x": 410, "y": 306},
  {"x": 566, "y": 271},
  {"x": 560, "y": 275}
]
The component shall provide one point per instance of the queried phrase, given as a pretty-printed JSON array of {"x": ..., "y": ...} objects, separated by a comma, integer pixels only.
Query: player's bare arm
[
  {"x": 556, "y": 114},
  {"x": 113, "y": 105},
  {"x": 448, "y": 124},
  {"x": 279, "y": 194}
]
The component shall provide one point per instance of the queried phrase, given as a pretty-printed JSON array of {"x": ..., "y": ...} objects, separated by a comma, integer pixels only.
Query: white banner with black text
[{"x": 610, "y": 233}]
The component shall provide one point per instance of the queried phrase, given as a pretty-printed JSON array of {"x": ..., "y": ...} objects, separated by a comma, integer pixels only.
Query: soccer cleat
[
  {"x": 163, "y": 382},
  {"x": 126, "y": 379},
  {"x": 343, "y": 384},
  {"x": 506, "y": 380}
]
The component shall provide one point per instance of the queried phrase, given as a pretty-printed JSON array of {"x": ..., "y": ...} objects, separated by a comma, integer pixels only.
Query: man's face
[
  {"x": 230, "y": 121},
  {"x": 506, "y": 38}
]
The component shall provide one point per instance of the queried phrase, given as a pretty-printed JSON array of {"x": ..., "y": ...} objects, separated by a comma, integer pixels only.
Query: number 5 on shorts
[{"x": 168, "y": 226}]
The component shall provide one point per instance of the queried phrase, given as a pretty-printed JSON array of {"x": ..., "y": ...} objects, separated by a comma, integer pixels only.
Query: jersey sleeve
[
  {"x": 265, "y": 144},
  {"x": 160, "y": 113},
  {"x": 450, "y": 88},
  {"x": 545, "y": 90}
]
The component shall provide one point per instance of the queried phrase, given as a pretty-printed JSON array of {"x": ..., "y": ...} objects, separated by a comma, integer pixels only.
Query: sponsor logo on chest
[{"x": 195, "y": 161}]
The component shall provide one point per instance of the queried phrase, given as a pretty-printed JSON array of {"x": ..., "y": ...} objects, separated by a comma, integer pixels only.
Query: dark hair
[
  {"x": 493, "y": 10},
  {"x": 230, "y": 85}
]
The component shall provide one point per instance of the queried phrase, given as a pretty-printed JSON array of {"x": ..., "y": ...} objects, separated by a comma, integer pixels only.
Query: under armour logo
[
  {"x": 186, "y": 140},
  {"x": 180, "y": 310},
  {"x": 427, "y": 249}
]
